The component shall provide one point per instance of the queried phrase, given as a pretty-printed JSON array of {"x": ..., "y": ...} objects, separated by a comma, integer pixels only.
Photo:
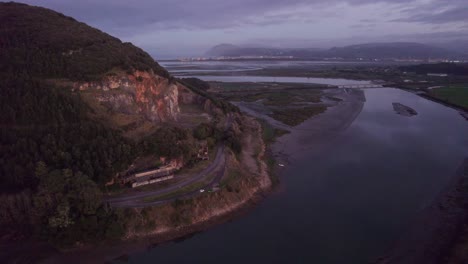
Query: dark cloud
[
  {"x": 438, "y": 12},
  {"x": 110, "y": 14},
  {"x": 364, "y": 26},
  {"x": 435, "y": 37},
  {"x": 143, "y": 21}
]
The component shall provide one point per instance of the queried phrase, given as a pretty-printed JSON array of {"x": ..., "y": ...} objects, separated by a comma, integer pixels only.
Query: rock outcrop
[
  {"x": 186, "y": 96},
  {"x": 143, "y": 92}
]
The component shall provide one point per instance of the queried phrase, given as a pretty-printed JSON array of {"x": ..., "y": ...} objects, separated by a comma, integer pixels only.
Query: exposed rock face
[
  {"x": 188, "y": 97},
  {"x": 142, "y": 92}
]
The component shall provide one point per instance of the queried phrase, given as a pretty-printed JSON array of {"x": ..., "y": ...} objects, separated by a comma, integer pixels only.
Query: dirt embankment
[{"x": 245, "y": 182}]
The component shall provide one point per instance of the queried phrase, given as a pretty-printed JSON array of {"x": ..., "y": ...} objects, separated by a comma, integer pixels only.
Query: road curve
[
  {"x": 218, "y": 164},
  {"x": 132, "y": 199},
  {"x": 139, "y": 203}
]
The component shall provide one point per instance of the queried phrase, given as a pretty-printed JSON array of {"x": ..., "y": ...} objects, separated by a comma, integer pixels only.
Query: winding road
[
  {"x": 135, "y": 200},
  {"x": 218, "y": 166}
]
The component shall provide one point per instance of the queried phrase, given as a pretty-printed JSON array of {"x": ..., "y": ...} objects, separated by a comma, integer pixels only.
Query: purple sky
[{"x": 175, "y": 28}]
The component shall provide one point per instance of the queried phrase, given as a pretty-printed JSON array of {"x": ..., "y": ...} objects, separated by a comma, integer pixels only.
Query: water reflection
[{"x": 347, "y": 202}]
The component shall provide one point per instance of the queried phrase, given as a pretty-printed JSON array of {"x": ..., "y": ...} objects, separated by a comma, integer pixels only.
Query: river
[{"x": 346, "y": 201}]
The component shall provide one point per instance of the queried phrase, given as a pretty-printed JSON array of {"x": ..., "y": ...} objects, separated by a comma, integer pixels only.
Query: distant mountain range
[
  {"x": 395, "y": 50},
  {"x": 230, "y": 50},
  {"x": 459, "y": 45}
]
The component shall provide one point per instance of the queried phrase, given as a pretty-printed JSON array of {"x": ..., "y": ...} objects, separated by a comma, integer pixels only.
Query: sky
[{"x": 179, "y": 28}]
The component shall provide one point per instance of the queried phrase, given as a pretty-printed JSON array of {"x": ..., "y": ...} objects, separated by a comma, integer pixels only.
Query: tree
[
  {"x": 41, "y": 169},
  {"x": 61, "y": 217}
]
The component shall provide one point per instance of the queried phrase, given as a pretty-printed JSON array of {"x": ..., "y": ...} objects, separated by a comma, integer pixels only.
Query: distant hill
[
  {"x": 397, "y": 50},
  {"x": 460, "y": 45},
  {"x": 235, "y": 51}
]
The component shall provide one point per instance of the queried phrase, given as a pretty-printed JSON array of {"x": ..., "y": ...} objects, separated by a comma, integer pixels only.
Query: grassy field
[
  {"x": 291, "y": 104},
  {"x": 295, "y": 116},
  {"x": 248, "y": 86},
  {"x": 276, "y": 98},
  {"x": 269, "y": 133},
  {"x": 455, "y": 94}
]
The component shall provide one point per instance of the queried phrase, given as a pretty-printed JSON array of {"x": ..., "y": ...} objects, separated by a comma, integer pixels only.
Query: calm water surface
[{"x": 347, "y": 202}]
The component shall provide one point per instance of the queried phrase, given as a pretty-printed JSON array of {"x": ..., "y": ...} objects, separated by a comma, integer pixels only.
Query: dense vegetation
[
  {"x": 195, "y": 82},
  {"x": 48, "y": 44},
  {"x": 43, "y": 124},
  {"x": 448, "y": 68},
  {"x": 55, "y": 159},
  {"x": 171, "y": 142}
]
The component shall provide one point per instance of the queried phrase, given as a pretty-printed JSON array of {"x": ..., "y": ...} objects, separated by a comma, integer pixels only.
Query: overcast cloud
[{"x": 173, "y": 28}]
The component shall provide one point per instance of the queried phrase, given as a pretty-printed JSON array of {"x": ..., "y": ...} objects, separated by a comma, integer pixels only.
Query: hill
[
  {"x": 71, "y": 100},
  {"x": 459, "y": 45},
  {"x": 446, "y": 68},
  {"x": 397, "y": 50},
  {"x": 230, "y": 50},
  {"x": 50, "y": 44}
]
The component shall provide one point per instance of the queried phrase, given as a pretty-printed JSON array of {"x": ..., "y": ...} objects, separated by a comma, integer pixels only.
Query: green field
[
  {"x": 295, "y": 116},
  {"x": 455, "y": 94},
  {"x": 288, "y": 103}
]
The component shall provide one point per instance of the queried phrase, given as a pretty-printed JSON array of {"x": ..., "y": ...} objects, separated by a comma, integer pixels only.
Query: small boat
[{"x": 281, "y": 165}]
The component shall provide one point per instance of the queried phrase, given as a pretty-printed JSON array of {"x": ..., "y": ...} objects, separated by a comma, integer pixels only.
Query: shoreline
[
  {"x": 133, "y": 243},
  {"x": 331, "y": 122},
  {"x": 429, "y": 97},
  {"x": 111, "y": 251},
  {"x": 314, "y": 129},
  {"x": 320, "y": 131},
  {"x": 431, "y": 237}
]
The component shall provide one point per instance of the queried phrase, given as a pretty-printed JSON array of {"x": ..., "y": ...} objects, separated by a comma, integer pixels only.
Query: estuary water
[{"x": 347, "y": 201}]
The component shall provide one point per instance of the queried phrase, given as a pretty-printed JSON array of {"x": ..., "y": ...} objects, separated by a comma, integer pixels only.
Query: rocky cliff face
[
  {"x": 188, "y": 97},
  {"x": 142, "y": 92}
]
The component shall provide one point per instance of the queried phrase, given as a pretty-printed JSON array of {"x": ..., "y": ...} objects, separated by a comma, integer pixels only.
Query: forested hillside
[
  {"x": 54, "y": 158},
  {"x": 45, "y": 43}
]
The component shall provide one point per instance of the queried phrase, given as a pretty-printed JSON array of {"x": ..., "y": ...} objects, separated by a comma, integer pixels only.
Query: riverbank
[
  {"x": 337, "y": 118},
  {"x": 319, "y": 131},
  {"x": 282, "y": 213},
  {"x": 434, "y": 236},
  {"x": 244, "y": 185}
]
